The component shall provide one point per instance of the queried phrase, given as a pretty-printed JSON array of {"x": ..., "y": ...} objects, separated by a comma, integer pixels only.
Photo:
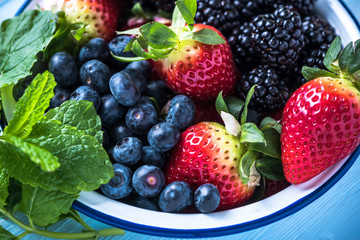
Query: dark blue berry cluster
[{"x": 141, "y": 118}]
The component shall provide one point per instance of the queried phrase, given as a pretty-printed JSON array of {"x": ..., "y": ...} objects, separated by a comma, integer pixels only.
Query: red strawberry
[
  {"x": 194, "y": 60},
  {"x": 207, "y": 153},
  {"x": 100, "y": 16},
  {"x": 199, "y": 70},
  {"x": 321, "y": 121}
]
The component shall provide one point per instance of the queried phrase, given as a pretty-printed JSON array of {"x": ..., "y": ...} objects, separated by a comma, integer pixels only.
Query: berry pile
[{"x": 169, "y": 148}]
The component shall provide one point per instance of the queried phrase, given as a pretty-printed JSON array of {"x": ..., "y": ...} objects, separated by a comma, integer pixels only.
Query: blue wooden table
[{"x": 333, "y": 216}]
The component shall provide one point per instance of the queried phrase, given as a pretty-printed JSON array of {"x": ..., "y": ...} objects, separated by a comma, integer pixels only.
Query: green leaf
[
  {"x": 220, "y": 104},
  {"x": 349, "y": 60},
  {"x": 45, "y": 207},
  {"x": 208, "y": 36},
  {"x": 177, "y": 19},
  {"x": 235, "y": 105},
  {"x": 138, "y": 11},
  {"x": 129, "y": 45},
  {"x": 22, "y": 38},
  {"x": 80, "y": 114},
  {"x": 134, "y": 31},
  {"x": 247, "y": 100},
  {"x": 160, "y": 53},
  {"x": 128, "y": 59},
  {"x": 31, "y": 106},
  {"x": 232, "y": 125},
  {"x": 6, "y": 235},
  {"x": 250, "y": 133},
  {"x": 84, "y": 164},
  {"x": 187, "y": 9},
  {"x": 269, "y": 122},
  {"x": 4, "y": 184},
  {"x": 246, "y": 163},
  {"x": 159, "y": 36},
  {"x": 139, "y": 51},
  {"x": 271, "y": 168},
  {"x": 332, "y": 54},
  {"x": 36, "y": 154},
  {"x": 272, "y": 147},
  {"x": 14, "y": 198},
  {"x": 311, "y": 73}
]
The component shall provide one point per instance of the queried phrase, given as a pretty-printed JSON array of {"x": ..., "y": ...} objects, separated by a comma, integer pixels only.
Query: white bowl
[{"x": 240, "y": 219}]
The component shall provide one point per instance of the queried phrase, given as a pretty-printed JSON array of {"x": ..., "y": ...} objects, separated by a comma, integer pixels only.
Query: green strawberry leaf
[
  {"x": 36, "y": 154},
  {"x": 269, "y": 122},
  {"x": 311, "y": 73},
  {"x": 234, "y": 105},
  {"x": 22, "y": 38},
  {"x": 178, "y": 20},
  {"x": 207, "y": 36},
  {"x": 271, "y": 168},
  {"x": 139, "y": 51},
  {"x": 32, "y": 105},
  {"x": 84, "y": 164},
  {"x": 160, "y": 53},
  {"x": 128, "y": 59},
  {"x": 220, "y": 104},
  {"x": 129, "y": 46},
  {"x": 138, "y": 11},
  {"x": 6, "y": 235},
  {"x": 134, "y": 31},
  {"x": 4, "y": 184},
  {"x": 45, "y": 207},
  {"x": 349, "y": 60},
  {"x": 247, "y": 100},
  {"x": 80, "y": 114},
  {"x": 232, "y": 125},
  {"x": 332, "y": 54},
  {"x": 187, "y": 9},
  {"x": 272, "y": 147},
  {"x": 247, "y": 162},
  {"x": 250, "y": 133},
  {"x": 159, "y": 36}
]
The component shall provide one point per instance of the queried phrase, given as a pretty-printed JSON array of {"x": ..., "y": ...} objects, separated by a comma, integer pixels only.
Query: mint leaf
[
  {"x": 250, "y": 133},
  {"x": 4, "y": 184},
  {"x": 80, "y": 114},
  {"x": 271, "y": 168},
  {"x": 14, "y": 197},
  {"x": 32, "y": 105},
  {"x": 6, "y": 235},
  {"x": 45, "y": 207},
  {"x": 22, "y": 38},
  {"x": 272, "y": 147},
  {"x": 159, "y": 36},
  {"x": 37, "y": 154},
  {"x": 208, "y": 36}
]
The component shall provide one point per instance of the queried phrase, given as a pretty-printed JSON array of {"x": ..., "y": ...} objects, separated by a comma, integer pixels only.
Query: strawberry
[
  {"x": 100, "y": 16},
  {"x": 230, "y": 157},
  {"x": 193, "y": 59},
  {"x": 321, "y": 120}
]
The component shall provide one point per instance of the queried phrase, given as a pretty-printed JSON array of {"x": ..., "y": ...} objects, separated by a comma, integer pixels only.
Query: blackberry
[
  {"x": 224, "y": 15},
  {"x": 278, "y": 38},
  {"x": 270, "y": 94},
  {"x": 164, "y": 5},
  {"x": 317, "y": 31},
  {"x": 242, "y": 47},
  {"x": 304, "y": 7}
]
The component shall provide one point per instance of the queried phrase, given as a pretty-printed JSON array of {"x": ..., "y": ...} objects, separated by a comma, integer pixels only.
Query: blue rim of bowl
[{"x": 228, "y": 230}]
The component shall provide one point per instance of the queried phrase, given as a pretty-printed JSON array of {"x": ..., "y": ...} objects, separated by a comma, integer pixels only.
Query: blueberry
[
  {"x": 148, "y": 180},
  {"x": 206, "y": 198},
  {"x": 143, "y": 66},
  {"x": 96, "y": 48},
  {"x": 86, "y": 93},
  {"x": 176, "y": 197},
  {"x": 120, "y": 185},
  {"x": 141, "y": 117},
  {"x": 124, "y": 89},
  {"x": 160, "y": 91},
  {"x": 60, "y": 96},
  {"x": 150, "y": 203},
  {"x": 63, "y": 66},
  {"x": 137, "y": 77},
  {"x": 120, "y": 131},
  {"x": 181, "y": 112},
  {"x": 128, "y": 151},
  {"x": 163, "y": 136},
  {"x": 152, "y": 157},
  {"x": 95, "y": 74},
  {"x": 117, "y": 46},
  {"x": 110, "y": 110}
]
